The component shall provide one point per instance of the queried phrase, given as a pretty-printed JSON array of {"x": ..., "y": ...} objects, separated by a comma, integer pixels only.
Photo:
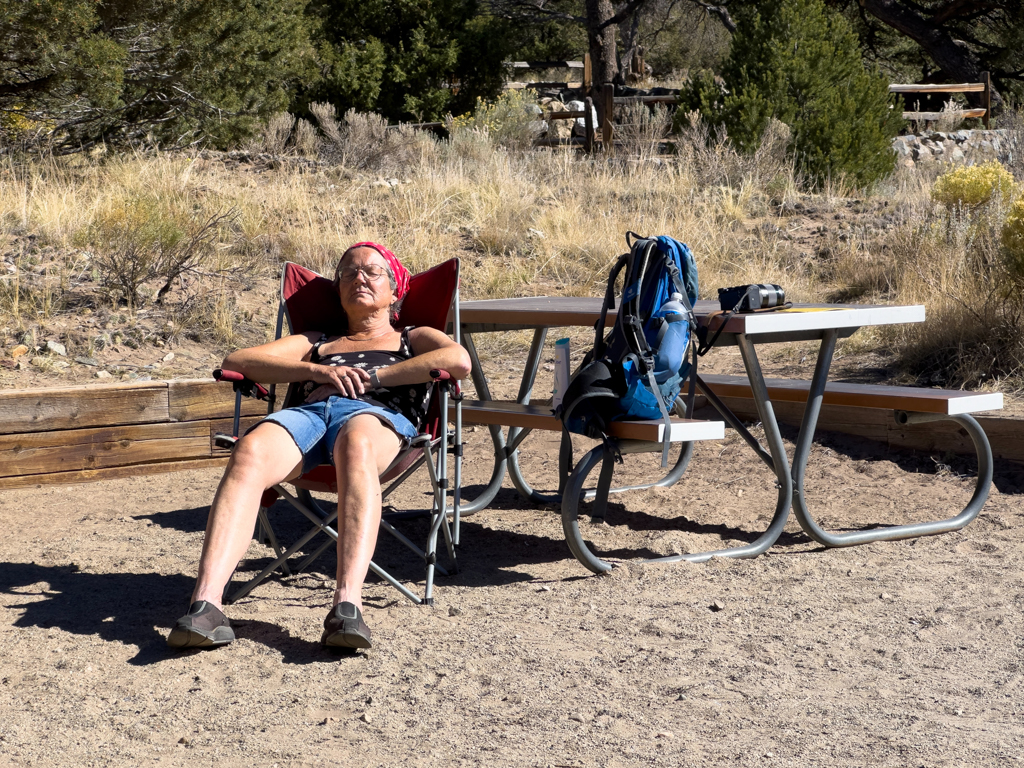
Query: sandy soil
[{"x": 893, "y": 654}]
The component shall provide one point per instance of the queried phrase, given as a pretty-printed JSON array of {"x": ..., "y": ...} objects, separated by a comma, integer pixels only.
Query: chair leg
[{"x": 267, "y": 530}]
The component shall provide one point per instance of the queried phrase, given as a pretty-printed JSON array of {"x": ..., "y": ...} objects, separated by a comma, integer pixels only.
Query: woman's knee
[
  {"x": 356, "y": 447},
  {"x": 253, "y": 455}
]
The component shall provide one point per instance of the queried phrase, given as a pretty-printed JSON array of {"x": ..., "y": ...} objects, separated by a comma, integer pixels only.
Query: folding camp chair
[{"x": 309, "y": 302}]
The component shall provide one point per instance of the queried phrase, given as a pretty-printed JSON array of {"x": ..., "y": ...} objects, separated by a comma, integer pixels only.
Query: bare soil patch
[{"x": 892, "y": 654}]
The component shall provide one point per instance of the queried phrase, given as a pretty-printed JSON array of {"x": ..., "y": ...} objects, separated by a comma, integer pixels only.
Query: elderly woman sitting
[{"x": 365, "y": 395}]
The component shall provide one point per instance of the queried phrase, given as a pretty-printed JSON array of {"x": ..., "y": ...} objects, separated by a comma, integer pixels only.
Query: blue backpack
[{"x": 638, "y": 370}]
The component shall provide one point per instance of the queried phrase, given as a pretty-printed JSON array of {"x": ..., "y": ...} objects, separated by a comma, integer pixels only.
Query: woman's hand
[
  {"x": 322, "y": 392},
  {"x": 338, "y": 380}
]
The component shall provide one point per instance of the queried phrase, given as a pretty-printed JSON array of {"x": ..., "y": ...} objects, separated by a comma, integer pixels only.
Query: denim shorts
[{"x": 314, "y": 426}]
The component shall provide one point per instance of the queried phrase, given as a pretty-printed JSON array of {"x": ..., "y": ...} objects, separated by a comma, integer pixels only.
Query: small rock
[
  {"x": 87, "y": 361},
  {"x": 168, "y": 357},
  {"x": 183, "y": 740},
  {"x": 327, "y": 721},
  {"x": 664, "y": 735},
  {"x": 104, "y": 375},
  {"x": 56, "y": 348},
  {"x": 544, "y": 588},
  {"x": 885, "y": 596},
  {"x": 453, "y": 611},
  {"x": 21, "y": 349},
  {"x": 717, "y": 606},
  {"x": 739, "y": 492},
  {"x": 577, "y": 717},
  {"x": 366, "y": 717}
]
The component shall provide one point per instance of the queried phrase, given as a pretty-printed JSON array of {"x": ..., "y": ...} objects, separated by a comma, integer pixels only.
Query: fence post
[
  {"x": 986, "y": 97},
  {"x": 588, "y": 75},
  {"x": 588, "y": 125},
  {"x": 607, "y": 115}
]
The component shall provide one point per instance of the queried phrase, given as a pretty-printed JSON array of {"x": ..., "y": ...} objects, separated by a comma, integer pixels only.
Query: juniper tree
[{"x": 799, "y": 62}]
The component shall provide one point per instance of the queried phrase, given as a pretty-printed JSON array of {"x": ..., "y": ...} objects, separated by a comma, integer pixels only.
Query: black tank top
[{"x": 410, "y": 400}]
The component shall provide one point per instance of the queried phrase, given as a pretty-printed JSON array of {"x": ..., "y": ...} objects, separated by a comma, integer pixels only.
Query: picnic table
[{"x": 825, "y": 323}]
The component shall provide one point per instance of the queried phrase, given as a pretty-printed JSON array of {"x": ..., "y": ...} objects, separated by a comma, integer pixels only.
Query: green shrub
[
  {"x": 511, "y": 121},
  {"x": 142, "y": 238},
  {"x": 798, "y": 62}
]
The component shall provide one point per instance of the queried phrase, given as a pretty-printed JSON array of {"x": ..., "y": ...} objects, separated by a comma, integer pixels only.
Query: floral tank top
[{"x": 410, "y": 400}]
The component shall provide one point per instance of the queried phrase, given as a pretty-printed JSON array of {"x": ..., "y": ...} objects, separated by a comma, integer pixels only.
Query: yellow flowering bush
[
  {"x": 1013, "y": 237},
  {"x": 974, "y": 186}
]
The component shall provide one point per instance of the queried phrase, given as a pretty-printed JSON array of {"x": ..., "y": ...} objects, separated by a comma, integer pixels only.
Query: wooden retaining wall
[{"x": 101, "y": 431}]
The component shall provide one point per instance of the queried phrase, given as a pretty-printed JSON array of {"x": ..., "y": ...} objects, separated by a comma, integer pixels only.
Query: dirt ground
[{"x": 892, "y": 654}]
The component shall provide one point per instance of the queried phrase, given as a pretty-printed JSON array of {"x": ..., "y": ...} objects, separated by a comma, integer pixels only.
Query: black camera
[{"x": 747, "y": 298}]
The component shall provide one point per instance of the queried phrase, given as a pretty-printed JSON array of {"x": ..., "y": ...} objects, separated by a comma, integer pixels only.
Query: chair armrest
[
  {"x": 239, "y": 383},
  {"x": 441, "y": 378}
]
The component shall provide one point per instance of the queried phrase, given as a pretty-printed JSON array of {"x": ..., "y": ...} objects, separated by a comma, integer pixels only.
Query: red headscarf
[{"x": 400, "y": 272}]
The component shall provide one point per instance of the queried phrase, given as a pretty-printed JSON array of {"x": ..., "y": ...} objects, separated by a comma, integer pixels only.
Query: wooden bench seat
[
  {"x": 947, "y": 402},
  {"x": 539, "y": 416}
]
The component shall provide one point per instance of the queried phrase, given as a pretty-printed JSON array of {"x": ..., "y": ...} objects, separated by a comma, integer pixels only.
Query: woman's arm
[
  {"x": 285, "y": 360},
  {"x": 431, "y": 349}
]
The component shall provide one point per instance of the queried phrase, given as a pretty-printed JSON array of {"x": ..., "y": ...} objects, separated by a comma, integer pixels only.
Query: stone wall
[{"x": 966, "y": 147}]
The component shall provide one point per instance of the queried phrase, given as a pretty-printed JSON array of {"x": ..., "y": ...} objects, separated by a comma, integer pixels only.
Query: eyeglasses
[{"x": 371, "y": 273}]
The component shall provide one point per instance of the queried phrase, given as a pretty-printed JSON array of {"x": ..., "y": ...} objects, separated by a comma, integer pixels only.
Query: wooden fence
[
  {"x": 101, "y": 431},
  {"x": 984, "y": 87},
  {"x": 105, "y": 431}
]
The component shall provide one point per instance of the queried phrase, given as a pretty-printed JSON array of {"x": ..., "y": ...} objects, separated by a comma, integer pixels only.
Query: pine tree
[
  {"x": 173, "y": 70},
  {"x": 406, "y": 59},
  {"x": 800, "y": 63}
]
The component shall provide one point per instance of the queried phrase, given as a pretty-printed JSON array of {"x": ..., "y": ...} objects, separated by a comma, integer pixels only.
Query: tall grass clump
[
  {"x": 962, "y": 260},
  {"x": 364, "y": 141}
]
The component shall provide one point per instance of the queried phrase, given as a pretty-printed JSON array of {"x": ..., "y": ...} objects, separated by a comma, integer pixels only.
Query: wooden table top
[{"x": 565, "y": 311}]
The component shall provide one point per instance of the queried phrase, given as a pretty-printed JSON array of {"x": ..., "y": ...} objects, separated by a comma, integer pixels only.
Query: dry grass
[{"x": 524, "y": 223}]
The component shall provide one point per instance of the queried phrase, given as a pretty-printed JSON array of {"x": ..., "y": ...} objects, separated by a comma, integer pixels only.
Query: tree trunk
[
  {"x": 629, "y": 32},
  {"x": 953, "y": 57},
  {"x": 601, "y": 43}
]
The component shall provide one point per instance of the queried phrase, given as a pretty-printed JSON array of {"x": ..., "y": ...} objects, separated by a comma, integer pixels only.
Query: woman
[{"x": 365, "y": 391}]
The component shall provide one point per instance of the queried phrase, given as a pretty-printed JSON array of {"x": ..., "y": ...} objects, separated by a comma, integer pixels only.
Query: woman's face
[{"x": 360, "y": 291}]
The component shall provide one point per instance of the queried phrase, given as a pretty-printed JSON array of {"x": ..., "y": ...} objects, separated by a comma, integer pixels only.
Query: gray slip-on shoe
[
  {"x": 204, "y": 626},
  {"x": 344, "y": 628}
]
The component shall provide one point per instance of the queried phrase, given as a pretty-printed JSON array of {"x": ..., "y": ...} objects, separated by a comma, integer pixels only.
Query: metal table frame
[{"x": 825, "y": 323}]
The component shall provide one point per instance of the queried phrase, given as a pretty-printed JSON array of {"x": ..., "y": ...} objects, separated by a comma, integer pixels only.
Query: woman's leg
[
  {"x": 264, "y": 457},
  {"x": 364, "y": 449}
]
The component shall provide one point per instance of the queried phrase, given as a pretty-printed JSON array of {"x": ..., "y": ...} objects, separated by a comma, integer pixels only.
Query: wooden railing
[
  {"x": 984, "y": 87},
  {"x": 538, "y": 65}
]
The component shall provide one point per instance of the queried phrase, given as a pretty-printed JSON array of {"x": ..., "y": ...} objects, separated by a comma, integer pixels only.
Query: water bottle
[
  {"x": 561, "y": 372},
  {"x": 671, "y": 349}
]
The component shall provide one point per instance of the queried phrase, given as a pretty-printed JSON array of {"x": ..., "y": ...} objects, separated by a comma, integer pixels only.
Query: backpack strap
[{"x": 609, "y": 303}]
